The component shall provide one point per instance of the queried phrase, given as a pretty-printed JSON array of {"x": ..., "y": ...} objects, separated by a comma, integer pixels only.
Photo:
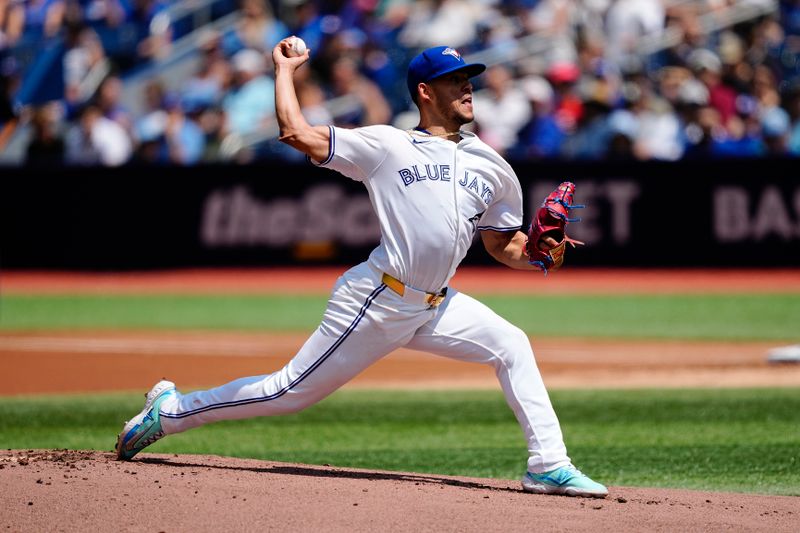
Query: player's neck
[{"x": 443, "y": 132}]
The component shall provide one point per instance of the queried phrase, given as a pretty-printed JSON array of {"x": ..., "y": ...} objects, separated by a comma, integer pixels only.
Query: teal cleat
[
  {"x": 145, "y": 428},
  {"x": 566, "y": 480}
]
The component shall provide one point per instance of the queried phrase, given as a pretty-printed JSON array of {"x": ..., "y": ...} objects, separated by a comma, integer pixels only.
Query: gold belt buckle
[{"x": 434, "y": 300}]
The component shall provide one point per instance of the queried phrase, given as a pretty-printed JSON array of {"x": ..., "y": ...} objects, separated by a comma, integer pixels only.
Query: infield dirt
[
  {"x": 69, "y": 490},
  {"x": 62, "y": 490}
]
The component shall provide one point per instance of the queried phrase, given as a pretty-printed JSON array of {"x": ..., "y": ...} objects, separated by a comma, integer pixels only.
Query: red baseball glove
[{"x": 550, "y": 220}]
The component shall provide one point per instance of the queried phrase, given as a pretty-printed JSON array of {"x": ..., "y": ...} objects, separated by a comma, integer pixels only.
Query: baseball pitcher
[{"x": 432, "y": 187}]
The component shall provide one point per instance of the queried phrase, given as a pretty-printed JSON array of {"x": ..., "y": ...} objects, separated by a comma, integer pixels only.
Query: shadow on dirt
[{"x": 331, "y": 472}]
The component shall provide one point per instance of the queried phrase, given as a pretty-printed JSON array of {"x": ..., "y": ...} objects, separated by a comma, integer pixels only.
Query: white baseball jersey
[{"x": 431, "y": 195}]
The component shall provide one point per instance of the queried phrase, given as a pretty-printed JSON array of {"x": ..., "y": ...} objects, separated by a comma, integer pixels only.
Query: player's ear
[{"x": 424, "y": 92}]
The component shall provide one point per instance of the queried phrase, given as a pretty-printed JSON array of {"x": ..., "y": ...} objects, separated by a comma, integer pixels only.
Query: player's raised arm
[{"x": 295, "y": 131}]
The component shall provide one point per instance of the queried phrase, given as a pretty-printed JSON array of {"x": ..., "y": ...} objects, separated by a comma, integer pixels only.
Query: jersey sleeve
[
  {"x": 356, "y": 152},
  {"x": 504, "y": 212}
]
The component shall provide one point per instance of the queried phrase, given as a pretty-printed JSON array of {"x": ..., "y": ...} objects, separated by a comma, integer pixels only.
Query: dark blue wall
[{"x": 724, "y": 214}]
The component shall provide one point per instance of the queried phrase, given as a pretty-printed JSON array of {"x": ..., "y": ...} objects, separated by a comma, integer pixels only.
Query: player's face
[{"x": 452, "y": 97}]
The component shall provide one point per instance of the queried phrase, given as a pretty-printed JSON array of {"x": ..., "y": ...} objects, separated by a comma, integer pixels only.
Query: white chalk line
[{"x": 128, "y": 345}]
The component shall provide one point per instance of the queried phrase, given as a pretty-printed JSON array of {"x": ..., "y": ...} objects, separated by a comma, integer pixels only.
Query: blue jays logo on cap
[
  {"x": 438, "y": 61},
  {"x": 453, "y": 52}
]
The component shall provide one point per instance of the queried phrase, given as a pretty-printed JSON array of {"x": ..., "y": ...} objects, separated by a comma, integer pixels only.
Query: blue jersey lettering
[
  {"x": 406, "y": 176},
  {"x": 431, "y": 172}
]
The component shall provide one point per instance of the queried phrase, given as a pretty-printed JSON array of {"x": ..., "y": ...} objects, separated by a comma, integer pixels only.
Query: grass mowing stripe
[
  {"x": 717, "y": 317},
  {"x": 301, "y": 312},
  {"x": 745, "y": 440},
  {"x": 699, "y": 317}
]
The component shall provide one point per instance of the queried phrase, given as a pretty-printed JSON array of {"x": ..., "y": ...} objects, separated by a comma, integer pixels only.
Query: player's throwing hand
[{"x": 284, "y": 54}]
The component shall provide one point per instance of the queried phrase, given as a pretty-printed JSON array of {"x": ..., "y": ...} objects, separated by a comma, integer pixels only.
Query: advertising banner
[{"x": 719, "y": 214}]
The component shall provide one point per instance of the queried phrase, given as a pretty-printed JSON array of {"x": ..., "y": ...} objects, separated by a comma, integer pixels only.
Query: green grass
[
  {"x": 261, "y": 312},
  {"x": 745, "y": 440},
  {"x": 700, "y": 317}
]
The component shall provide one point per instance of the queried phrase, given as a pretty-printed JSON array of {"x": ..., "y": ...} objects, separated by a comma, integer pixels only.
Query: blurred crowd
[{"x": 592, "y": 79}]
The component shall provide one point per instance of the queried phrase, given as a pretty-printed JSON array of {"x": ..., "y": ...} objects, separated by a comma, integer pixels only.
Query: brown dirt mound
[{"x": 66, "y": 490}]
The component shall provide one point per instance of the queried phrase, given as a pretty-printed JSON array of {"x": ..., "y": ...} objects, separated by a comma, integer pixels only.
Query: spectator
[
  {"x": 12, "y": 23},
  {"x": 563, "y": 76},
  {"x": 432, "y": 22},
  {"x": 743, "y": 135},
  {"x": 704, "y": 134},
  {"x": 683, "y": 19},
  {"x": 250, "y": 102},
  {"x": 85, "y": 66},
  {"x": 790, "y": 17},
  {"x": 154, "y": 28},
  {"x": 174, "y": 137},
  {"x": 592, "y": 135},
  {"x": 371, "y": 106},
  {"x": 44, "y": 18},
  {"x": 258, "y": 29},
  {"x": 765, "y": 87},
  {"x": 46, "y": 146},
  {"x": 775, "y": 123},
  {"x": 303, "y": 20},
  {"x": 96, "y": 140},
  {"x": 10, "y": 78},
  {"x": 501, "y": 109},
  {"x": 495, "y": 33},
  {"x": 658, "y": 126},
  {"x": 648, "y": 123},
  {"x": 213, "y": 77},
  {"x": 793, "y": 107},
  {"x": 628, "y": 22},
  {"x": 105, "y": 13},
  {"x": 383, "y": 66},
  {"x": 624, "y": 128},
  {"x": 109, "y": 100},
  {"x": 556, "y": 21},
  {"x": 736, "y": 73},
  {"x": 670, "y": 86},
  {"x": 606, "y": 94},
  {"x": 707, "y": 66},
  {"x": 211, "y": 121},
  {"x": 766, "y": 46},
  {"x": 311, "y": 96},
  {"x": 153, "y": 117},
  {"x": 540, "y": 137}
]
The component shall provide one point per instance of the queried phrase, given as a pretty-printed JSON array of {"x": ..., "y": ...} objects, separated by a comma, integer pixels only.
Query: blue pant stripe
[{"x": 301, "y": 377}]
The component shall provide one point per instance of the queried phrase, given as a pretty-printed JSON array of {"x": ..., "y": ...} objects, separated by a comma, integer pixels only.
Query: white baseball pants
[{"x": 364, "y": 321}]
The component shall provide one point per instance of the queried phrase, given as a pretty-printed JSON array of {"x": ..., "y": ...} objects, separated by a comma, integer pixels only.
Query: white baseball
[{"x": 298, "y": 46}]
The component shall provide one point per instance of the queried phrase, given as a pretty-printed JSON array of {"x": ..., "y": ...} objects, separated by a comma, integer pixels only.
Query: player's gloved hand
[{"x": 547, "y": 238}]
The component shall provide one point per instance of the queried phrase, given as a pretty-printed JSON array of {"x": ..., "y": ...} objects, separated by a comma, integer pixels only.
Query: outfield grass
[
  {"x": 745, "y": 440},
  {"x": 686, "y": 316}
]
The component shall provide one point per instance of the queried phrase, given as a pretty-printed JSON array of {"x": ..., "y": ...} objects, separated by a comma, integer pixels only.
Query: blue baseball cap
[{"x": 435, "y": 62}]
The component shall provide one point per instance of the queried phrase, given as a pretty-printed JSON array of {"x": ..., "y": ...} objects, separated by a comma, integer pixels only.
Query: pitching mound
[{"x": 66, "y": 490}]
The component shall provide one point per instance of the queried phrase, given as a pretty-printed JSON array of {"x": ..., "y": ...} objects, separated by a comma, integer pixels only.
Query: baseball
[{"x": 298, "y": 47}]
